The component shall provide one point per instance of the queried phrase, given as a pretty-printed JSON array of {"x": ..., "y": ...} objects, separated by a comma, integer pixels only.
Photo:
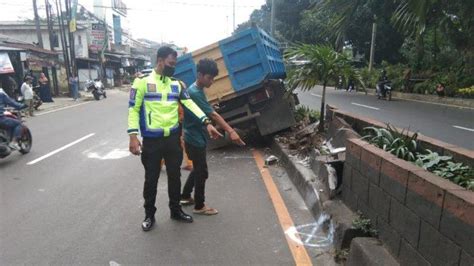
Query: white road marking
[
  {"x": 113, "y": 155},
  {"x": 316, "y": 95},
  {"x": 366, "y": 106},
  {"x": 63, "y": 108},
  {"x": 464, "y": 128},
  {"x": 60, "y": 149}
]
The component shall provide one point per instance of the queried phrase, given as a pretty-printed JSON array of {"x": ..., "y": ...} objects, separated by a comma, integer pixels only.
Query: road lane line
[
  {"x": 464, "y": 128},
  {"x": 316, "y": 95},
  {"x": 300, "y": 255},
  {"x": 366, "y": 106},
  {"x": 60, "y": 149},
  {"x": 60, "y": 109}
]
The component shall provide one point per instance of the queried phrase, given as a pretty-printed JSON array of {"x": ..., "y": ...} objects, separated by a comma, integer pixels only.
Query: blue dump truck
[{"x": 249, "y": 90}]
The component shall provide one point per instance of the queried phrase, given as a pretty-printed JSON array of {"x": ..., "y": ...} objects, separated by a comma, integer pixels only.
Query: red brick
[
  {"x": 397, "y": 169},
  {"x": 372, "y": 156},
  {"x": 370, "y": 121},
  {"x": 430, "y": 186},
  {"x": 460, "y": 155},
  {"x": 433, "y": 141},
  {"x": 354, "y": 147},
  {"x": 462, "y": 151},
  {"x": 460, "y": 203}
]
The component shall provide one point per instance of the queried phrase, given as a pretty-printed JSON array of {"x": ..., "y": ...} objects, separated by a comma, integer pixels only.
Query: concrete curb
[
  {"x": 431, "y": 99},
  {"x": 369, "y": 251},
  {"x": 315, "y": 193}
]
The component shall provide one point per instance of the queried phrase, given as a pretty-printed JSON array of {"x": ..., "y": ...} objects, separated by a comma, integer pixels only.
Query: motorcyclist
[
  {"x": 8, "y": 123},
  {"x": 381, "y": 82}
]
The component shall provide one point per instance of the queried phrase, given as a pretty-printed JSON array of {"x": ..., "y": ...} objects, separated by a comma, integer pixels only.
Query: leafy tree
[
  {"x": 259, "y": 17},
  {"x": 321, "y": 63}
]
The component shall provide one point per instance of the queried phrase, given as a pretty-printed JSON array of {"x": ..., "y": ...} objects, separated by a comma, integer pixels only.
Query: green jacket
[{"x": 153, "y": 106}]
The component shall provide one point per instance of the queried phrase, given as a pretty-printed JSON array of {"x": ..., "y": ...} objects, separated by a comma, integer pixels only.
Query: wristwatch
[{"x": 206, "y": 122}]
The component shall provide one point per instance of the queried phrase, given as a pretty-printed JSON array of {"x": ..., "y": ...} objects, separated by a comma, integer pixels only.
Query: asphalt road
[
  {"x": 76, "y": 198},
  {"x": 449, "y": 124}
]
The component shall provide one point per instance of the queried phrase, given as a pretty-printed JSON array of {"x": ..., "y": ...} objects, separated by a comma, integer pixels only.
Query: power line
[{"x": 179, "y": 3}]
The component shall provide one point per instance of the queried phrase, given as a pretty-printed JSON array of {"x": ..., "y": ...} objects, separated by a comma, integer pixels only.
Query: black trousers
[
  {"x": 197, "y": 177},
  {"x": 153, "y": 151}
]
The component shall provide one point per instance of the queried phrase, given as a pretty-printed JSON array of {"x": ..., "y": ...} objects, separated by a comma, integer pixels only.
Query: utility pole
[
  {"x": 50, "y": 27},
  {"x": 54, "y": 77},
  {"x": 372, "y": 44},
  {"x": 63, "y": 40},
  {"x": 37, "y": 22},
  {"x": 272, "y": 20},
  {"x": 71, "y": 37}
]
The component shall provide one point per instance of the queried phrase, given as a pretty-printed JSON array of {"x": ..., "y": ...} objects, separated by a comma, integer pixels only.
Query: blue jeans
[
  {"x": 12, "y": 124},
  {"x": 74, "y": 88}
]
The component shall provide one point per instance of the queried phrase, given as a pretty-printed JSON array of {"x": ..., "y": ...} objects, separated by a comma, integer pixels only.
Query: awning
[{"x": 10, "y": 49}]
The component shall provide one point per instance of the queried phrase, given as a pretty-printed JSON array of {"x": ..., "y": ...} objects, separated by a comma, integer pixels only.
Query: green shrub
[
  {"x": 425, "y": 87},
  {"x": 391, "y": 140},
  {"x": 444, "y": 166},
  {"x": 369, "y": 77},
  {"x": 303, "y": 112},
  {"x": 365, "y": 225},
  {"x": 466, "y": 92},
  {"x": 406, "y": 147}
]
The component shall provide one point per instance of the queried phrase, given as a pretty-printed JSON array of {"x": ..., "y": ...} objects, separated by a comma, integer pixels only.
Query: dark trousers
[
  {"x": 153, "y": 151},
  {"x": 198, "y": 176}
]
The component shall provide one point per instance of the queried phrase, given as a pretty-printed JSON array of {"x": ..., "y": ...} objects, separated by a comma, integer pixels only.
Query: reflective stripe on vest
[{"x": 156, "y": 97}]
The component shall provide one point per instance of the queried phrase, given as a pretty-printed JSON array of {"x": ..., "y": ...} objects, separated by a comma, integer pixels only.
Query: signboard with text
[
  {"x": 5, "y": 64},
  {"x": 97, "y": 37}
]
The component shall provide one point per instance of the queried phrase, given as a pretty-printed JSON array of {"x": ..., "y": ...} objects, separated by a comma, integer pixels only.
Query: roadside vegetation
[
  {"x": 406, "y": 147},
  {"x": 420, "y": 43}
]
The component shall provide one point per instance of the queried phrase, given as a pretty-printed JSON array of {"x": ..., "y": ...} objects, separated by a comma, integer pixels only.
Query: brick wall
[
  {"x": 358, "y": 123},
  {"x": 423, "y": 219}
]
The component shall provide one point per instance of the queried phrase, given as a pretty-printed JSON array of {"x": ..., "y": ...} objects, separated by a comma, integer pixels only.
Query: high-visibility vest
[{"x": 153, "y": 106}]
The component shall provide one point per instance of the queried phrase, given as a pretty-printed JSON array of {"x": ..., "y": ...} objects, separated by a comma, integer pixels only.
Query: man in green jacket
[
  {"x": 195, "y": 137},
  {"x": 153, "y": 111}
]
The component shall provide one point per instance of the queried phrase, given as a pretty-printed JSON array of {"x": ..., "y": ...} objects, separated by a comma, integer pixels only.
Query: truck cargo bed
[{"x": 245, "y": 60}]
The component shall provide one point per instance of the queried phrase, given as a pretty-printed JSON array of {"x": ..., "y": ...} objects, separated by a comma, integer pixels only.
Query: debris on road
[{"x": 272, "y": 159}]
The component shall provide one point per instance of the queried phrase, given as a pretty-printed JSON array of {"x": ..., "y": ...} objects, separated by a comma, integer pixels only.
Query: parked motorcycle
[
  {"x": 96, "y": 88},
  {"x": 26, "y": 140},
  {"x": 384, "y": 90}
]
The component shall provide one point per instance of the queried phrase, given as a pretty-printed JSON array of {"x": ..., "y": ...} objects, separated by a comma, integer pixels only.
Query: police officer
[{"x": 153, "y": 111}]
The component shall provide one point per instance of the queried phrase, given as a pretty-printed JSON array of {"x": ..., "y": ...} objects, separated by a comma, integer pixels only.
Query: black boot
[
  {"x": 148, "y": 223},
  {"x": 179, "y": 215}
]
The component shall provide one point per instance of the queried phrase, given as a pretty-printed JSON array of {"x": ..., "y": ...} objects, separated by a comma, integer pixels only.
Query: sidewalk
[{"x": 433, "y": 99}]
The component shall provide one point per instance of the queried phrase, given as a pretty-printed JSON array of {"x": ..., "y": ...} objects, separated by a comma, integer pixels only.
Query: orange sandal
[{"x": 206, "y": 211}]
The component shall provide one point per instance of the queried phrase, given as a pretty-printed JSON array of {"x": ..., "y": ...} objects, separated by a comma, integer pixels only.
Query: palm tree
[{"x": 318, "y": 65}]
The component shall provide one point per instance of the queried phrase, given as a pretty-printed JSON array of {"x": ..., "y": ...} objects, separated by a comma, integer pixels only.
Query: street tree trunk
[{"x": 321, "y": 114}]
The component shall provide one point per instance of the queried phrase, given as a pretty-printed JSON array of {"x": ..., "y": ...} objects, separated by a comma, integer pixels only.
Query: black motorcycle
[
  {"x": 384, "y": 90},
  {"x": 96, "y": 88},
  {"x": 25, "y": 142}
]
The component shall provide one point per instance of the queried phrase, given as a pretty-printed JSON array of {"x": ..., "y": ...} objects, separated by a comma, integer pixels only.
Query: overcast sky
[{"x": 189, "y": 23}]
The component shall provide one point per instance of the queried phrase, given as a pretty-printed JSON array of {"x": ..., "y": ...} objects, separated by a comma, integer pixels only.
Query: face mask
[{"x": 168, "y": 71}]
